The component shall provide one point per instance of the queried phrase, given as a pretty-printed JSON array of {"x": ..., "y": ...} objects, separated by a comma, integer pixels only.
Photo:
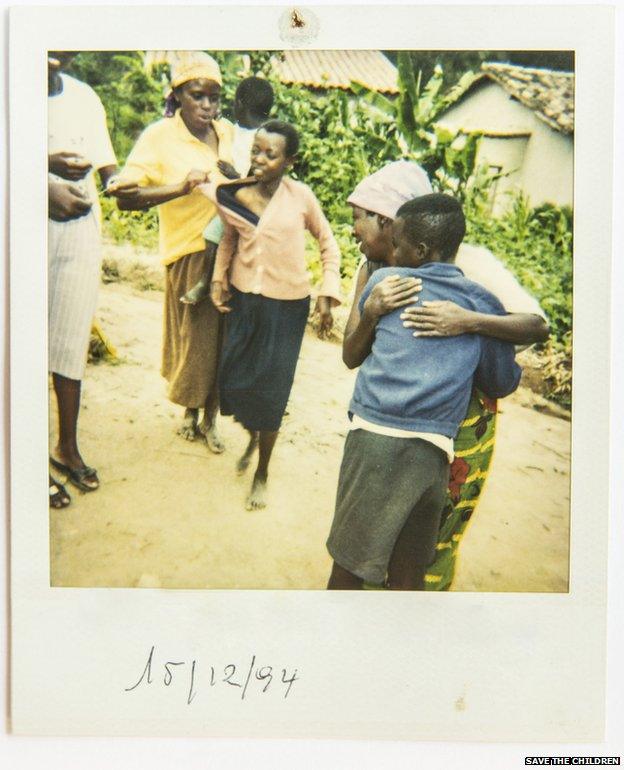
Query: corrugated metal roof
[
  {"x": 336, "y": 69},
  {"x": 319, "y": 69}
]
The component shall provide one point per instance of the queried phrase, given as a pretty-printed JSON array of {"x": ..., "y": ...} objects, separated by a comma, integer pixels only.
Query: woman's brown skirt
[{"x": 191, "y": 336}]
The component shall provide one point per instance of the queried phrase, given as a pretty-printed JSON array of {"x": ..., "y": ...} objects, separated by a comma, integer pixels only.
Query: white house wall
[
  {"x": 548, "y": 171},
  {"x": 508, "y": 154},
  {"x": 489, "y": 108},
  {"x": 540, "y": 158}
]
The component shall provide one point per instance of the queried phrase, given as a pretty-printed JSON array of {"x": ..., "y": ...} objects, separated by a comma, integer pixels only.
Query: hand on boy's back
[
  {"x": 392, "y": 292},
  {"x": 227, "y": 169},
  {"x": 69, "y": 165},
  {"x": 440, "y": 318}
]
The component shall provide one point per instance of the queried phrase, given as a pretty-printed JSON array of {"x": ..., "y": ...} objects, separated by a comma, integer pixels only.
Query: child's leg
[
  {"x": 403, "y": 573},
  {"x": 414, "y": 547},
  {"x": 257, "y": 496},
  {"x": 201, "y": 290},
  {"x": 245, "y": 459},
  {"x": 188, "y": 429},
  {"x": 198, "y": 292},
  {"x": 343, "y": 580},
  {"x": 209, "y": 424}
]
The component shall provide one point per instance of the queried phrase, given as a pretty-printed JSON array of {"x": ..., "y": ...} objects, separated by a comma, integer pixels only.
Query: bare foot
[
  {"x": 196, "y": 294},
  {"x": 257, "y": 496},
  {"x": 245, "y": 459},
  {"x": 213, "y": 439},
  {"x": 188, "y": 429}
]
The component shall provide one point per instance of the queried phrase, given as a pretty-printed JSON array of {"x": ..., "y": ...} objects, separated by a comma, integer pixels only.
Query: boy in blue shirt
[{"x": 409, "y": 399}]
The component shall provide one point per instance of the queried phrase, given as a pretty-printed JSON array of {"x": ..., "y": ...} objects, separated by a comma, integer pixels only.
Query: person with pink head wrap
[
  {"x": 375, "y": 201},
  {"x": 385, "y": 191}
]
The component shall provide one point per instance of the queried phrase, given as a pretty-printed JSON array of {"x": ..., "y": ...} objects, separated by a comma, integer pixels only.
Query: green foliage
[
  {"x": 140, "y": 228},
  {"x": 327, "y": 121},
  {"x": 558, "y": 370},
  {"x": 536, "y": 244},
  {"x": 132, "y": 98},
  {"x": 350, "y": 257},
  {"x": 447, "y": 157},
  {"x": 456, "y": 63}
]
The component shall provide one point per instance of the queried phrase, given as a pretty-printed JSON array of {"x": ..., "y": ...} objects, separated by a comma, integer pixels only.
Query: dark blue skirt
[{"x": 262, "y": 343}]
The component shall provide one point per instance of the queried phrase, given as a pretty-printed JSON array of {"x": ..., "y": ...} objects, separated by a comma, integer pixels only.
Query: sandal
[
  {"x": 58, "y": 495},
  {"x": 78, "y": 476}
]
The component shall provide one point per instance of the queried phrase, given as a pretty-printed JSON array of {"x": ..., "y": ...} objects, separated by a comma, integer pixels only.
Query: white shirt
[
  {"x": 77, "y": 123},
  {"x": 481, "y": 266},
  {"x": 444, "y": 443},
  {"x": 241, "y": 148}
]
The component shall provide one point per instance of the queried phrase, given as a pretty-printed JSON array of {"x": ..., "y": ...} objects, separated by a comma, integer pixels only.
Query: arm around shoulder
[
  {"x": 519, "y": 328},
  {"x": 520, "y": 319}
]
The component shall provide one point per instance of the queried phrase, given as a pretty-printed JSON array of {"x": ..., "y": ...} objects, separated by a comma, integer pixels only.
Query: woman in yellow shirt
[{"x": 169, "y": 160}]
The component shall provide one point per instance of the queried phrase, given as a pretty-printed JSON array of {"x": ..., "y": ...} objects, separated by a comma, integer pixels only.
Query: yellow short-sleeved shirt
[{"x": 164, "y": 154}]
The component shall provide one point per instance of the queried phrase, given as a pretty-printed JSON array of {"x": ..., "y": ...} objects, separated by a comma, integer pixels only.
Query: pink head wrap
[{"x": 385, "y": 191}]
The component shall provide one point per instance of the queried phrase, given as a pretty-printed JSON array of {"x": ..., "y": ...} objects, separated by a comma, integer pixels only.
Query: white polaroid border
[{"x": 495, "y": 667}]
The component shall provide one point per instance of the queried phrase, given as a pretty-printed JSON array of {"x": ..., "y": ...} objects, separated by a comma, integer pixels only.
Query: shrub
[
  {"x": 536, "y": 244},
  {"x": 140, "y": 228}
]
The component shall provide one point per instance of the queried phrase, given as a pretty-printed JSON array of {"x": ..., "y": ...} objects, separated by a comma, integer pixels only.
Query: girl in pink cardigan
[{"x": 261, "y": 281}]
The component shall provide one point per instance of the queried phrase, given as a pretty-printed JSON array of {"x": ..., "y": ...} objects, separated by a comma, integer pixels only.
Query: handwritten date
[{"x": 245, "y": 678}]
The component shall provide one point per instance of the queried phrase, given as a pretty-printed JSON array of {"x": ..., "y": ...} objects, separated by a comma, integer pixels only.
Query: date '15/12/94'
[{"x": 244, "y": 677}]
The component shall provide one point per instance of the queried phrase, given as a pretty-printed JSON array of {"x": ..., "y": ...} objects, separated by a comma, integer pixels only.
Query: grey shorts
[{"x": 383, "y": 482}]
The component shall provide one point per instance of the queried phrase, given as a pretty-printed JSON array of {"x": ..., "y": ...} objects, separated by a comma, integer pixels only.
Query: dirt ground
[{"x": 170, "y": 514}]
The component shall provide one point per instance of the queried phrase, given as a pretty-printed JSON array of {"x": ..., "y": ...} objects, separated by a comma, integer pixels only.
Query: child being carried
[{"x": 252, "y": 104}]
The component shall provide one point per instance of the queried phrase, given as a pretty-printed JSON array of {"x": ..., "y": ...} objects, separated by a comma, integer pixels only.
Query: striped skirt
[{"x": 74, "y": 263}]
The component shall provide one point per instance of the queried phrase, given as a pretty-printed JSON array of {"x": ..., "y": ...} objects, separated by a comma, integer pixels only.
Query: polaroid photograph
[{"x": 301, "y": 353}]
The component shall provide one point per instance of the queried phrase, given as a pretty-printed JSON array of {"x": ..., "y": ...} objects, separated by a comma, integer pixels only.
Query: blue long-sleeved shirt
[{"x": 424, "y": 383}]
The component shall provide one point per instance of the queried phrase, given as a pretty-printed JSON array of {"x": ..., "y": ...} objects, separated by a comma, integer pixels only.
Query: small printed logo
[{"x": 298, "y": 26}]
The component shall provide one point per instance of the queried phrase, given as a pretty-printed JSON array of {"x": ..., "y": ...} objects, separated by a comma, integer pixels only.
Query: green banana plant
[{"x": 450, "y": 156}]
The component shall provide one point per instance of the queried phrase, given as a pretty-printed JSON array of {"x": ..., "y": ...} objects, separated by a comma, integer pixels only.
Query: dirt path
[{"x": 169, "y": 514}]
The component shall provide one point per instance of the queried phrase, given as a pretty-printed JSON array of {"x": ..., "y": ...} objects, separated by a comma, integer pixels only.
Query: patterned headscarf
[
  {"x": 385, "y": 191},
  {"x": 190, "y": 65}
]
